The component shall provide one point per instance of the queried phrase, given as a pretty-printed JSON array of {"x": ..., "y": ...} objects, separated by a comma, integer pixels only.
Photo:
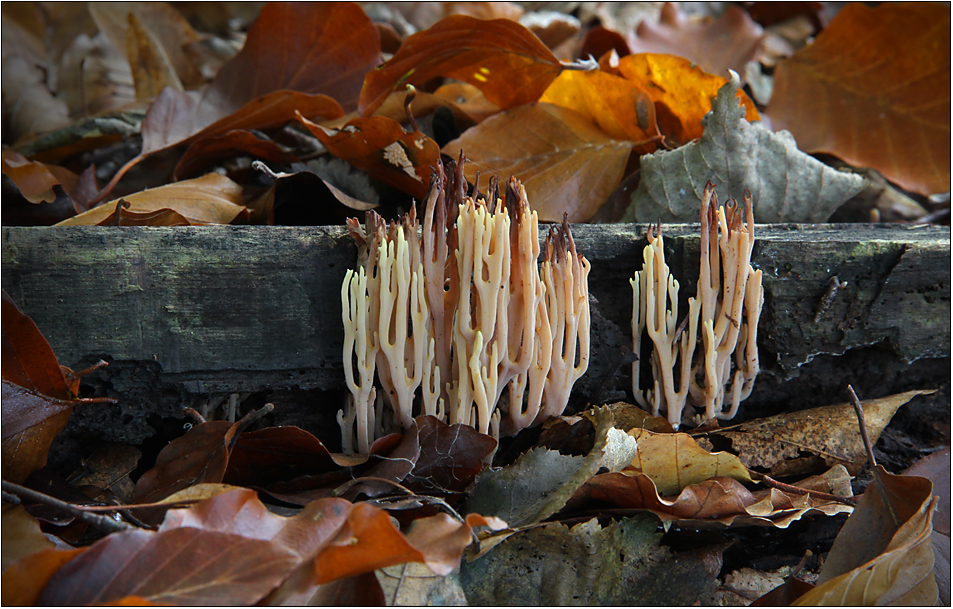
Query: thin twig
[
  {"x": 103, "y": 523},
  {"x": 796, "y": 490},
  {"x": 408, "y": 99},
  {"x": 859, "y": 409}
]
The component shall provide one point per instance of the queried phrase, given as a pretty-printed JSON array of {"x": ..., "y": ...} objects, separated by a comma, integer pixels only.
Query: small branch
[
  {"x": 582, "y": 65},
  {"x": 859, "y": 409},
  {"x": 103, "y": 523},
  {"x": 796, "y": 490},
  {"x": 408, "y": 99}
]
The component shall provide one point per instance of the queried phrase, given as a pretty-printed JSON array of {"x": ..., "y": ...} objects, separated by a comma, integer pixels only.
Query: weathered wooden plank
[{"x": 218, "y": 309}]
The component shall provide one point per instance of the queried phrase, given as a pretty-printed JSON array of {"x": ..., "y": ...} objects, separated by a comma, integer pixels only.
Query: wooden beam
[{"x": 243, "y": 308}]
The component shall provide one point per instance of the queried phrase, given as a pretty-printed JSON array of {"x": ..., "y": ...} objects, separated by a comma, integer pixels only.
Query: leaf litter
[{"x": 348, "y": 526}]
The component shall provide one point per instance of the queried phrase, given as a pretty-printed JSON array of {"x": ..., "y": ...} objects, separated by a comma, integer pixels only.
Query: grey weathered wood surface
[{"x": 219, "y": 309}]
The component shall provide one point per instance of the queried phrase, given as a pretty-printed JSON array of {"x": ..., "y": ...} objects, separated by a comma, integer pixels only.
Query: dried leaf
[
  {"x": 416, "y": 585},
  {"x": 234, "y": 143},
  {"x": 211, "y": 199},
  {"x": 25, "y": 579},
  {"x": 828, "y": 431},
  {"x": 500, "y": 57},
  {"x": 161, "y": 217},
  {"x": 304, "y": 198},
  {"x": 623, "y": 110},
  {"x": 726, "y": 43},
  {"x": 199, "y": 456},
  {"x": 566, "y": 163},
  {"x": 675, "y": 461},
  {"x": 209, "y": 568},
  {"x": 883, "y": 555},
  {"x": 28, "y": 105},
  {"x": 890, "y": 66},
  {"x": 682, "y": 92},
  {"x": 94, "y": 77},
  {"x": 36, "y": 181},
  {"x": 786, "y": 185},
  {"x": 379, "y": 146},
  {"x": 21, "y": 535},
  {"x": 276, "y": 454},
  {"x": 450, "y": 456},
  {"x": 151, "y": 70},
  {"x": 540, "y": 482},
  {"x": 467, "y": 98}
]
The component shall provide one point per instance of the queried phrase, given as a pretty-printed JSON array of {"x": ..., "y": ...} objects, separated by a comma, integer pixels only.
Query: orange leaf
[
  {"x": 874, "y": 89},
  {"x": 620, "y": 108},
  {"x": 566, "y": 163},
  {"x": 379, "y": 146},
  {"x": 500, "y": 57},
  {"x": 726, "y": 43},
  {"x": 682, "y": 93},
  {"x": 36, "y": 180},
  {"x": 25, "y": 579}
]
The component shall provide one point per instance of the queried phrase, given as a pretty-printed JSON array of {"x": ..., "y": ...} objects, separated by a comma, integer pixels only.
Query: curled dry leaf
[
  {"x": 675, "y": 461},
  {"x": 499, "y": 56},
  {"x": 379, "y": 146},
  {"x": 891, "y": 66},
  {"x": 726, "y": 43},
  {"x": 450, "y": 456},
  {"x": 883, "y": 555},
  {"x": 29, "y": 107},
  {"x": 717, "y": 502},
  {"x": 786, "y": 185},
  {"x": 237, "y": 142},
  {"x": 36, "y": 181},
  {"x": 566, "y": 163},
  {"x": 829, "y": 432},
  {"x": 25, "y": 579},
  {"x": 21, "y": 535},
  {"x": 211, "y": 199}
]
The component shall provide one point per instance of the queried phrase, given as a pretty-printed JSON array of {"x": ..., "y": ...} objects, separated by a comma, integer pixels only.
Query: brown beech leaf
[
  {"x": 199, "y": 456},
  {"x": 379, "y": 146},
  {"x": 151, "y": 69},
  {"x": 674, "y": 461},
  {"x": 21, "y": 535},
  {"x": 276, "y": 454},
  {"x": 468, "y": 99},
  {"x": 237, "y": 142},
  {"x": 161, "y": 217},
  {"x": 209, "y": 567},
  {"x": 37, "y": 400},
  {"x": 211, "y": 199},
  {"x": 891, "y": 66},
  {"x": 828, "y": 431},
  {"x": 683, "y": 93},
  {"x": 622, "y": 109},
  {"x": 499, "y": 56},
  {"x": 36, "y": 180},
  {"x": 601, "y": 40},
  {"x": 304, "y": 198},
  {"x": 726, "y": 43},
  {"x": 25, "y": 579},
  {"x": 566, "y": 163},
  {"x": 450, "y": 456},
  {"x": 716, "y": 502},
  {"x": 883, "y": 555},
  {"x": 29, "y": 107}
]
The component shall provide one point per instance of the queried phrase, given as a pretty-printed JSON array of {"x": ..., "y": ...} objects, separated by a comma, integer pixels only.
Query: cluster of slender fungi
[
  {"x": 451, "y": 313},
  {"x": 456, "y": 320}
]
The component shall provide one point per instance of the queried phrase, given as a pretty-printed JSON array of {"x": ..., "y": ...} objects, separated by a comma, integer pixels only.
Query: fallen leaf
[
  {"x": 231, "y": 144},
  {"x": 682, "y": 92},
  {"x": 828, "y": 431},
  {"x": 36, "y": 181},
  {"x": 623, "y": 110},
  {"x": 450, "y": 457},
  {"x": 675, "y": 461},
  {"x": 726, "y": 43},
  {"x": 21, "y": 535},
  {"x": 29, "y": 107},
  {"x": 25, "y": 579},
  {"x": 500, "y": 57},
  {"x": 151, "y": 70},
  {"x": 161, "y": 217},
  {"x": 883, "y": 555},
  {"x": 786, "y": 185},
  {"x": 211, "y": 199},
  {"x": 538, "y": 483},
  {"x": 379, "y": 146},
  {"x": 620, "y": 564},
  {"x": 565, "y": 162},
  {"x": 629, "y": 416},
  {"x": 416, "y": 585},
  {"x": 94, "y": 77},
  {"x": 936, "y": 468},
  {"x": 305, "y": 198},
  {"x": 276, "y": 454},
  {"x": 468, "y": 99},
  {"x": 891, "y": 66},
  {"x": 600, "y": 40},
  {"x": 209, "y": 568}
]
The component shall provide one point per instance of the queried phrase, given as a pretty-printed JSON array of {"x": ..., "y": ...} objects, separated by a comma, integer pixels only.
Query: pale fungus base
[
  {"x": 459, "y": 309},
  {"x": 722, "y": 315}
]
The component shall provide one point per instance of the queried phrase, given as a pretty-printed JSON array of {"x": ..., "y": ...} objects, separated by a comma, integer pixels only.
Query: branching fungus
[
  {"x": 723, "y": 314},
  {"x": 461, "y": 312}
]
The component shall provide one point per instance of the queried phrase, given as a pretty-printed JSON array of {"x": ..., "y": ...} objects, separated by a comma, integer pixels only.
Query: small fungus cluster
[
  {"x": 450, "y": 313},
  {"x": 722, "y": 319}
]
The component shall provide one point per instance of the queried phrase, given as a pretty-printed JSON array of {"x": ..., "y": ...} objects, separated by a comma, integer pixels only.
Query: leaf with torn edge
[
  {"x": 379, "y": 146},
  {"x": 566, "y": 162},
  {"x": 883, "y": 555},
  {"x": 890, "y": 66},
  {"x": 500, "y": 57},
  {"x": 211, "y": 199},
  {"x": 786, "y": 185},
  {"x": 540, "y": 482},
  {"x": 674, "y": 461},
  {"x": 828, "y": 431}
]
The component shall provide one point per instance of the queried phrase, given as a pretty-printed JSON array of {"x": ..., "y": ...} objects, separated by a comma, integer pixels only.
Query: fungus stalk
[{"x": 724, "y": 312}]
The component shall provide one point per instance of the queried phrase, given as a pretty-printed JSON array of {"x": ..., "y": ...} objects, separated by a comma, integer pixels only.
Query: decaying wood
[{"x": 212, "y": 310}]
